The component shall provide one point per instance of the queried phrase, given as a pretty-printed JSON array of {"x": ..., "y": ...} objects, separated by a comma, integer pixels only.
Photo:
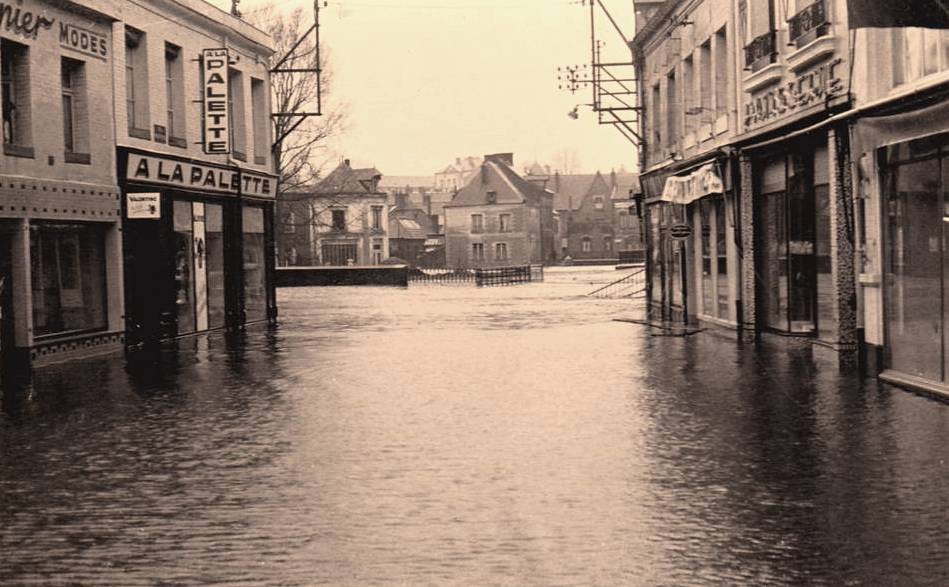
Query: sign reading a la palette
[
  {"x": 214, "y": 69},
  {"x": 143, "y": 206},
  {"x": 158, "y": 170}
]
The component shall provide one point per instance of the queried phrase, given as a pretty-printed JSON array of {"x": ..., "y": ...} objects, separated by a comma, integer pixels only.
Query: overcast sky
[{"x": 426, "y": 81}]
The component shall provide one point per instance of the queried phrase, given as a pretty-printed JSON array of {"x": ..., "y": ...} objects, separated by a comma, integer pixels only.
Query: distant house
[
  {"x": 457, "y": 174},
  {"x": 499, "y": 219},
  {"x": 595, "y": 218},
  {"x": 342, "y": 221},
  {"x": 410, "y": 228}
]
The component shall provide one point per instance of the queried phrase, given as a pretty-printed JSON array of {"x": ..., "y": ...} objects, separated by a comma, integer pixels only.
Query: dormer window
[
  {"x": 492, "y": 197},
  {"x": 598, "y": 202}
]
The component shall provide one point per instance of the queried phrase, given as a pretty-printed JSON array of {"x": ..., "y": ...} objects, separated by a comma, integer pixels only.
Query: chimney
[
  {"x": 427, "y": 202},
  {"x": 504, "y": 158},
  {"x": 401, "y": 200},
  {"x": 457, "y": 160},
  {"x": 613, "y": 178},
  {"x": 346, "y": 162}
]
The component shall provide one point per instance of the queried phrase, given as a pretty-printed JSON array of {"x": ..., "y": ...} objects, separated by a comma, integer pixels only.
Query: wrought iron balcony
[
  {"x": 761, "y": 51},
  {"x": 809, "y": 23}
]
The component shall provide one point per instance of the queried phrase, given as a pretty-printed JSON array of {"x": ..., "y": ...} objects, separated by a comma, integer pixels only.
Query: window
[
  {"x": 477, "y": 251},
  {"x": 69, "y": 277},
  {"x": 672, "y": 111},
  {"x": 15, "y": 87},
  {"x": 917, "y": 53},
  {"x": 598, "y": 202},
  {"x": 757, "y": 18},
  {"x": 586, "y": 245},
  {"x": 705, "y": 82},
  {"x": 721, "y": 73},
  {"x": 235, "y": 114},
  {"x": 377, "y": 252},
  {"x": 504, "y": 223},
  {"x": 338, "y": 253},
  {"x": 75, "y": 111},
  {"x": 492, "y": 197},
  {"x": 174, "y": 95},
  {"x": 688, "y": 93},
  {"x": 500, "y": 251},
  {"x": 477, "y": 223},
  {"x": 608, "y": 243},
  {"x": 258, "y": 98},
  {"x": 339, "y": 220},
  {"x": 255, "y": 271},
  {"x": 377, "y": 217},
  {"x": 290, "y": 226},
  {"x": 656, "y": 118},
  {"x": 136, "y": 83}
]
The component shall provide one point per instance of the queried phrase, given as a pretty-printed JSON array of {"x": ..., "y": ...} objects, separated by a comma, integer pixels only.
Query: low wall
[{"x": 396, "y": 275}]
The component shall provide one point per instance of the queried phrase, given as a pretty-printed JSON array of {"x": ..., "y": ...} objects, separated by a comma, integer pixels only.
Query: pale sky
[{"x": 426, "y": 81}]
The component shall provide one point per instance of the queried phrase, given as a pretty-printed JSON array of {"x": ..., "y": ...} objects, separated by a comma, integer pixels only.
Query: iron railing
[
  {"x": 632, "y": 285},
  {"x": 808, "y": 24},
  {"x": 480, "y": 277}
]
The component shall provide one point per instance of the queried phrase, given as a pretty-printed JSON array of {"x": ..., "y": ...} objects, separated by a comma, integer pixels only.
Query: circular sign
[{"x": 680, "y": 231}]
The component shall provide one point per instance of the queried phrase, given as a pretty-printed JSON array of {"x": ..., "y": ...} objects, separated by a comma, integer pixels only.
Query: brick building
[
  {"x": 499, "y": 219},
  {"x": 60, "y": 239}
]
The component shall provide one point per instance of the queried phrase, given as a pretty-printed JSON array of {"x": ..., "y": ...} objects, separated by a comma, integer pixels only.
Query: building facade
[
  {"x": 192, "y": 125},
  {"x": 60, "y": 214},
  {"x": 348, "y": 218},
  {"x": 499, "y": 219}
]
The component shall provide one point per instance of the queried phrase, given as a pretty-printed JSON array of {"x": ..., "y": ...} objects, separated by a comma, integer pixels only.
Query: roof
[
  {"x": 498, "y": 177},
  {"x": 409, "y": 223},
  {"x": 406, "y": 181},
  {"x": 346, "y": 180},
  {"x": 570, "y": 190}
]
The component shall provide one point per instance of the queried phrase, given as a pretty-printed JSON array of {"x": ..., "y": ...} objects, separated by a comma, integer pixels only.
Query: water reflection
[{"x": 463, "y": 436}]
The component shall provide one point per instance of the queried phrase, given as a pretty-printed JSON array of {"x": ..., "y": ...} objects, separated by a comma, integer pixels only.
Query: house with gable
[{"x": 499, "y": 219}]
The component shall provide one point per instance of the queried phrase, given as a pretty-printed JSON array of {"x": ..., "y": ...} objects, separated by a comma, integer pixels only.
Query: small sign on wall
[
  {"x": 143, "y": 206},
  {"x": 214, "y": 69}
]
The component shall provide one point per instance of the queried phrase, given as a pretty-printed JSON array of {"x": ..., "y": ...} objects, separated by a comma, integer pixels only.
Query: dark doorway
[{"x": 6, "y": 298}]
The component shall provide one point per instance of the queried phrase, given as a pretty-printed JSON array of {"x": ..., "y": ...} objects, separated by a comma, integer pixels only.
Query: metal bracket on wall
[{"x": 299, "y": 117}]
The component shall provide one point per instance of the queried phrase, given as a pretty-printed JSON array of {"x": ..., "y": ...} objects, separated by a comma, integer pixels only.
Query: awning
[{"x": 685, "y": 189}]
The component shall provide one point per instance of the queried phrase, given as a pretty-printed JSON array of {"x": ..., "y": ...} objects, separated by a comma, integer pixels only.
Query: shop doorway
[{"x": 916, "y": 178}]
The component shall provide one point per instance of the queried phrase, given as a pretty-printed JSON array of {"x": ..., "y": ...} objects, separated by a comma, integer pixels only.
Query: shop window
[
  {"x": 255, "y": 270},
  {"x": 258, "y": 98},
  {"x": 69, "y": 278},
  {"x": 75, "y": 111},
  {"x": 15, "y": 89},
  {"x": 721, "y": 253},
  {"x": 236, "y": 114},
  {"x": 339, "y": 220},
  {"x": 705, "y": 244},
  {"x": 504, "y": 223},
  {"x": 175, "y": 95},
  {"x": 500, "y": 251},
  {"x": 183, "y": 224},
  {"x": 339, "y": 253},
  {"x": 477, "y": 223},
  {"x": 214, "y": 260},
  {"x": 136, "y": 83}
]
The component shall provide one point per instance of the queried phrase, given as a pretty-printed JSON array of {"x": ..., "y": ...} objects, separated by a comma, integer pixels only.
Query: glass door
[{"x": 802, "y": 267}]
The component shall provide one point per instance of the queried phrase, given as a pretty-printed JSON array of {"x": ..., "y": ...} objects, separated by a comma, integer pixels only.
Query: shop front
[
  {"x": 197, "y": 238},
  {"x": 903, "y": 167}
]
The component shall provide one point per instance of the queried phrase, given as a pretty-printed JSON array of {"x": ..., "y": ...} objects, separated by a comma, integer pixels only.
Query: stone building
[
  {"x": 499, "y": 219},
  {"x": 60, "y": 238}
]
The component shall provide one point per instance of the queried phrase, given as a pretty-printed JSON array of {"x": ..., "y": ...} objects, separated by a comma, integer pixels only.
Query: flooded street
[{"x": 453, "y": 435}]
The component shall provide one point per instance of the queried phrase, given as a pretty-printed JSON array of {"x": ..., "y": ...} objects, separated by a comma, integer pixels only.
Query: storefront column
[
  {"x": 115, "y": 291},
  {"x": 23, "y": 286},
  {"x": 747, "y": 252},
  {"x": 842, "y": 240}
]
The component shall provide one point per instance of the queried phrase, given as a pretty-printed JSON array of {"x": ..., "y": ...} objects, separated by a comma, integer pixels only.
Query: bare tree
[{"x": 301, "y": 155}]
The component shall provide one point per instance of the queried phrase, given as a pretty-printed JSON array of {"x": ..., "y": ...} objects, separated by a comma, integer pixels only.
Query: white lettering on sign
[
  {"x": 698, "y": 184},
  {"x": 158, "y": 170},
  {"x": 79, "y": 39},
  {"x": 214, "y": 69},
  {"x": 809, "y": 88},
  {"x": 143, "y": 206}
]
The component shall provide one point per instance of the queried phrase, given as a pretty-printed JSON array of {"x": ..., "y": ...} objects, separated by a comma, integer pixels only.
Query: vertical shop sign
[{"x": 216, "y": 124}]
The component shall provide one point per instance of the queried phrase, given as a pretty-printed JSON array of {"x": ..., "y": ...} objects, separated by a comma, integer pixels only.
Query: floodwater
[{"x": 449, "y": 435}]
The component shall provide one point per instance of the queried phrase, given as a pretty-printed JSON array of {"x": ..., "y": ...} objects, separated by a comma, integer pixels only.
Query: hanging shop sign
[
  {"x": 685, "y": 189},
  {"x": 809, "y": 88},
  {"x": 143, "y": 206},
  {"x": 214, "y": 75},
  {"x": 162, "y": 171},
  {"x": 680, "y": 231}
]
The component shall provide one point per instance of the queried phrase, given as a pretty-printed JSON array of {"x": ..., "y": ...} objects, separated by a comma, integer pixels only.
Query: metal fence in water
[{"x": 481, "y": 277}]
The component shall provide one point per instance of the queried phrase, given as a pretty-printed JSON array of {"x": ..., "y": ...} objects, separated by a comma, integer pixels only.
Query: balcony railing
[
  {"x": 808, "y": 24},
  {"x": 761, "y": 51}
]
